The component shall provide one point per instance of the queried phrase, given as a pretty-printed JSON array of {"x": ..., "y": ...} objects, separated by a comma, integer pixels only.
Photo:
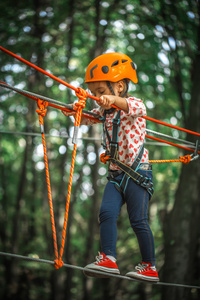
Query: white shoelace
[
  {"x": 141, "y": 267},
  {"x": 99, "y": 257}
]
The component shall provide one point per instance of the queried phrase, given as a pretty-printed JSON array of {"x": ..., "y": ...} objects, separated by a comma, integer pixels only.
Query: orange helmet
[{"x": 111, "y": 67}]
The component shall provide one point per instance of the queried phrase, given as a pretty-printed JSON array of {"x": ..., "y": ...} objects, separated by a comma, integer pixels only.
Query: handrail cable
[
  {"x": 66, "y": 136},
  {"x": 52, "y": 102},
  {"x": 93, "y": 115}
]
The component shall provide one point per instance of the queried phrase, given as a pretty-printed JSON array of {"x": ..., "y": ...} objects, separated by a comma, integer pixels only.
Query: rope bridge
[
  {"x": 103, "y": 274},
  {"x": 42, "y": 104}
]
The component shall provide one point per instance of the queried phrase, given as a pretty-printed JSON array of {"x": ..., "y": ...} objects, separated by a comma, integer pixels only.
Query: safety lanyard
[{"x": 113, "y": 141}]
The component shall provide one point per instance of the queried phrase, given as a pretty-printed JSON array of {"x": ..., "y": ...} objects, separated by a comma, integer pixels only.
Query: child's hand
[
  {"x": 69, "y": 113},
  {"x": 73, "y": 113},
  {"x": 106, "y": 101}
]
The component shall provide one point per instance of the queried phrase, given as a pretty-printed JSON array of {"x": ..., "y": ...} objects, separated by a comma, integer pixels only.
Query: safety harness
[{"x": 112, "y": 155}]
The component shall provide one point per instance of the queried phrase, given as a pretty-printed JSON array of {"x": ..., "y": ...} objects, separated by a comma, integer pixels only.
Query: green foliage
[{"x": 62, "y": 37}]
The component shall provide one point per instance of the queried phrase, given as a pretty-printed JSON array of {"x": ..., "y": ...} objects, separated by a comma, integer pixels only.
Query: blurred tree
[
  {"x": 162, "y": 37},
  {"x": 181, "y": 226}
]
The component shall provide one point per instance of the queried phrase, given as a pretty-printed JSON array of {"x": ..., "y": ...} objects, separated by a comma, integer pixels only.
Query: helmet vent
[
  {"x": 115, "y": 63},
  {"x": 124, "y": 60},
  {"x": 133, "y": 65}
]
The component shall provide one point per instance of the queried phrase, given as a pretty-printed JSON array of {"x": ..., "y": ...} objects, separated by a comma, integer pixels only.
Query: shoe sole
[
  {"x": 92, "y": 272},
  {"x": 143, "y": 277}
]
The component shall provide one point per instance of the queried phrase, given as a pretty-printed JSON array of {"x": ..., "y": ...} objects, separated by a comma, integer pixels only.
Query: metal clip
[
  {"x": 195, "y": 155},
  {"x": 75, "y": 135},
  {"x": 42, "y": 128}
]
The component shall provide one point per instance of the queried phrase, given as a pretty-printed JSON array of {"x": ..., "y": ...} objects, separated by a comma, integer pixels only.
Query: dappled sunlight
[{"x": 61, "y": 38}]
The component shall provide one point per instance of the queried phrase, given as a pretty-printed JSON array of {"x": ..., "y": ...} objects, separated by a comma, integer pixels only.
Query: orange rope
[
  {"x": 184, "y": 159},
  {"x": 172, "y": 126},
  {"x": 82, "y": 95},
  {"x": 84, "y": 114},
  {"x": 90, "y": 96},
  {"x": 104, "y": 158},
  {"x": 42, "y": 112},
  {"x": 170, "y": 143}
]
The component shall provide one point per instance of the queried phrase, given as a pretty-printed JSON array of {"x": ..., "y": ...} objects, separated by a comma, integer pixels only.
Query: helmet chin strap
[
  {"x": 112, "y": 109},
  {"x": 110, "y": 87},
  {"x": 124, "y": 94}
]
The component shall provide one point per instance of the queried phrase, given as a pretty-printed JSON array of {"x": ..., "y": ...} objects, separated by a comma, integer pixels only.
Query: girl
[{"x": 129, "y": 173}]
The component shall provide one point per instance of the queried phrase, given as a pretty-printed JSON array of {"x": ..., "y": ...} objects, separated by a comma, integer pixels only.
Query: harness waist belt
[{"x": 115, "y": 173}]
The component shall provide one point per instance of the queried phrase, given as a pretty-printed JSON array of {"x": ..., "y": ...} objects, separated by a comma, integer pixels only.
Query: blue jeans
[{"x": 137, "y": 200}]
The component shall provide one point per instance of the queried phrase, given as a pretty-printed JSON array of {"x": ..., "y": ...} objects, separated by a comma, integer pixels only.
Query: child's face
[{"x": 99, "y": 88}]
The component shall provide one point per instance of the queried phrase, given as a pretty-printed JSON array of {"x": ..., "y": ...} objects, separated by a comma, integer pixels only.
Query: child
[{"x": 129, "y": 173}]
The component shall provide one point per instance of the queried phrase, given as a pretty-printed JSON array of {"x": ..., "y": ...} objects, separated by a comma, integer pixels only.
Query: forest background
[{"x": 62, "y": 37}]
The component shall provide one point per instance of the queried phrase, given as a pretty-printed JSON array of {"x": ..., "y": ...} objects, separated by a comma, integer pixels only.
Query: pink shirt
[{"x": 131, "y": 131}]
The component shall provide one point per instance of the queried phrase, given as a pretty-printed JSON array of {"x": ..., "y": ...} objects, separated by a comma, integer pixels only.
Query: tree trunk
[
  {"x": 92, "y": 223},
  {"x": 11, "y": 263},
  {"x": 181, "y": 229}
]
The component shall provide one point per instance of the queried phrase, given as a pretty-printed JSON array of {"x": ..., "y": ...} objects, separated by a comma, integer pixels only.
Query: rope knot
[
  {"x": 58, "y": 263},
  {"x": 185, "y": 159},
  {"x": 104, "y": 158},
  {"x": 82, "y": 95},
  {"x": 41, "y": 109}
]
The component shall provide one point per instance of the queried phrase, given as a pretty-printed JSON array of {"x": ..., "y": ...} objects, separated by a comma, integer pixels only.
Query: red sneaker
[
  {"x": 102, "y": 263},
  {"x": 144, "y": 272}
]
